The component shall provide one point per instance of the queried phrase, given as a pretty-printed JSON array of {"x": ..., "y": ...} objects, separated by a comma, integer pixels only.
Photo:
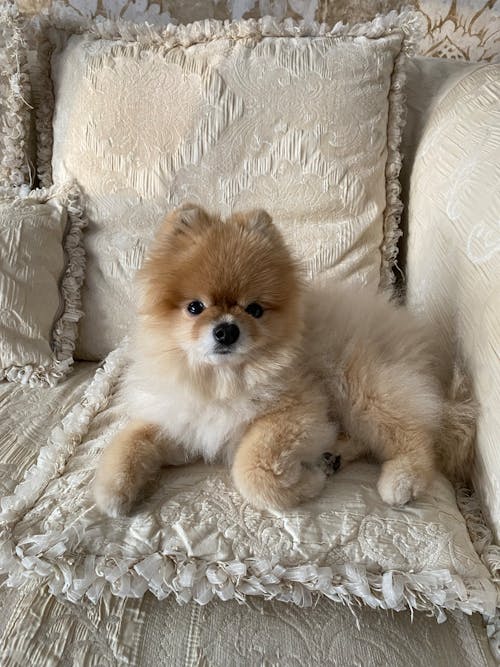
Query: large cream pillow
[
  {"x": 454, "y": 242},
  {"x": 301, "y": 121}
]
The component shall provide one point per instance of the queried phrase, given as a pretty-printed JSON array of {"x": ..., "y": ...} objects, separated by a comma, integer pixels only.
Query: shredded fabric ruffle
[
  {"x": 482, "y": 539},
  {"x": 15, "y": 107}
]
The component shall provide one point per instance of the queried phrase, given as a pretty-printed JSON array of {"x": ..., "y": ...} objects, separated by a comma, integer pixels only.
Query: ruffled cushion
[
  {"x": 42, "y": 266},
  {"x": 194, "y": 537}
]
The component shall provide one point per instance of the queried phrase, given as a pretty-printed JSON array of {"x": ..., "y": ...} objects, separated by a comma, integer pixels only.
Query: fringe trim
[
  {"x": 15, "y": 169},
  {"x": 408, "y": 24},
  {"x": 43, "y": 113},
  {"x": 480, "y": 534},
  {"x": 65, "y": 329},
  {"x": 482, "y": 539},
  {"x": 174, "y": 573}
]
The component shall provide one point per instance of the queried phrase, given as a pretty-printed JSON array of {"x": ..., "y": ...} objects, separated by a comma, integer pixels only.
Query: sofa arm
[{"x": 453, "y": 246}]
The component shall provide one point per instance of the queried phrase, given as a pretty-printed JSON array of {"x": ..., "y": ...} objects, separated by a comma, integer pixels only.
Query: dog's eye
[
  {"x": 255, "y": 310},
  {"x": 195, "y": 307}
]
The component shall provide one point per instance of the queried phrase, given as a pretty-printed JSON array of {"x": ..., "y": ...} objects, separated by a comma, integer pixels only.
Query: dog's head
[{"x": 220, "y": 292}]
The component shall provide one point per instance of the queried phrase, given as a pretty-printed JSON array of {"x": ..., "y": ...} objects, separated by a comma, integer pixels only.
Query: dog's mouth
[{"x": 223, "y": 354}]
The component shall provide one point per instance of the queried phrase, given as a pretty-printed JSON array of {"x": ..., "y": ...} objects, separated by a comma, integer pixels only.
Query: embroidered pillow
[
  {"x": 41, "y": 273},
  {"x": 301, "y": 121}
]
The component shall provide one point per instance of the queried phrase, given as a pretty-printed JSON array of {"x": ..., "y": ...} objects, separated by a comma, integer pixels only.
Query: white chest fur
[{"x": 211, "y": 428}]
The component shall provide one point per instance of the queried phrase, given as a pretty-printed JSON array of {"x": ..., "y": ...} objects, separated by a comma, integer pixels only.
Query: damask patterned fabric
[
  {"x": 41, "y": 272},
  {"x": 460, "y": 30},
  {"x": 233, "y": 117},
  {"x": 454, "y": 240}
]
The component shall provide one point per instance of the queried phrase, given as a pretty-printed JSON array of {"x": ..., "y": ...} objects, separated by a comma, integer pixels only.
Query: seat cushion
[{"x": 27, "y": 417}]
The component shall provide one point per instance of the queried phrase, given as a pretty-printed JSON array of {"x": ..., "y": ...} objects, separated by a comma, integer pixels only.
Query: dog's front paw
[
  {"x": 397, "y": 485},
  {"x": 267, "y": 490},
  {"x": 113, "y": 497}
]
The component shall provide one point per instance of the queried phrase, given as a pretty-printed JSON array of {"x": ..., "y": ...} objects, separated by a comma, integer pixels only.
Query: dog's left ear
[
  {"x": 260, "y": 220},
  {"x": 187, "y": 219}
]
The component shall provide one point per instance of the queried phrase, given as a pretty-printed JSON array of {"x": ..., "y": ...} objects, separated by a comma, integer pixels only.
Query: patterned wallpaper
[{"x": 457, "y": 29}]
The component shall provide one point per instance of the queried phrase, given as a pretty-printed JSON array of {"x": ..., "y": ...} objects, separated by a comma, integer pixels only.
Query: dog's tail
[{"x": 458, "y": 432}]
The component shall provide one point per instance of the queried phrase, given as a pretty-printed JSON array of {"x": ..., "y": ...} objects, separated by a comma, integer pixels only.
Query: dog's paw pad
[{"x": 330, "y": 463}]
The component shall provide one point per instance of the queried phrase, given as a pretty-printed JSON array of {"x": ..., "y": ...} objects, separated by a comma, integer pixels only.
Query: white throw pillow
[
  {"x": 42, "y": 266},
  {"x": 301, "y": 121}
]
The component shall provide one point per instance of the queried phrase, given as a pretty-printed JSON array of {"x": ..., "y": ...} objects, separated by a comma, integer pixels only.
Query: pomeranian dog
[{"x": 236, "y": 359}]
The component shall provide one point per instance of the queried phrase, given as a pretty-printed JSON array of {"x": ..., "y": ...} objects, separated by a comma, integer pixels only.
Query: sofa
[{"x": 446, "y": 269}]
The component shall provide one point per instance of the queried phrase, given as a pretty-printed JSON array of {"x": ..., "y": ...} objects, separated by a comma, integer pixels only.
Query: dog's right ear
[{"x": 187, "y": 219}]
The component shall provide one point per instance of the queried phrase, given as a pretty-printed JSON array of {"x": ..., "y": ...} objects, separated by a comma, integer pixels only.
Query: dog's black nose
[{"x": 226, "y": 334}]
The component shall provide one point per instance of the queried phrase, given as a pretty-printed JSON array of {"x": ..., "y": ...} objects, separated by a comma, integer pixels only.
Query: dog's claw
[{"x": 330, "y": 463}]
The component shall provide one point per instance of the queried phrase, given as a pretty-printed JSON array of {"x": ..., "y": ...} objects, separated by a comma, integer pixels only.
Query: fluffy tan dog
[{"x": 235, "y": 359}]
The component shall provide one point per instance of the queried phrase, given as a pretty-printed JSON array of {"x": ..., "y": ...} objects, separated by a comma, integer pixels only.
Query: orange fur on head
[{"x": 225, "y": 265}]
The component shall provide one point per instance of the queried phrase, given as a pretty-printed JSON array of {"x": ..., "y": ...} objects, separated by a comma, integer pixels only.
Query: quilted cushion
[{"x": 300, "y": 121}]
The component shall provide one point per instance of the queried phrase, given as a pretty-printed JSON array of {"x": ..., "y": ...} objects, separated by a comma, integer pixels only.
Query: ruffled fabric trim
[
  {"x": 15, "y": 169},
  {"x": 174, "y": 573},
  {"x": 408, "y": 24},
  {"x": 482, "y": 539},
  {"x": 65, "y": 329}
]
